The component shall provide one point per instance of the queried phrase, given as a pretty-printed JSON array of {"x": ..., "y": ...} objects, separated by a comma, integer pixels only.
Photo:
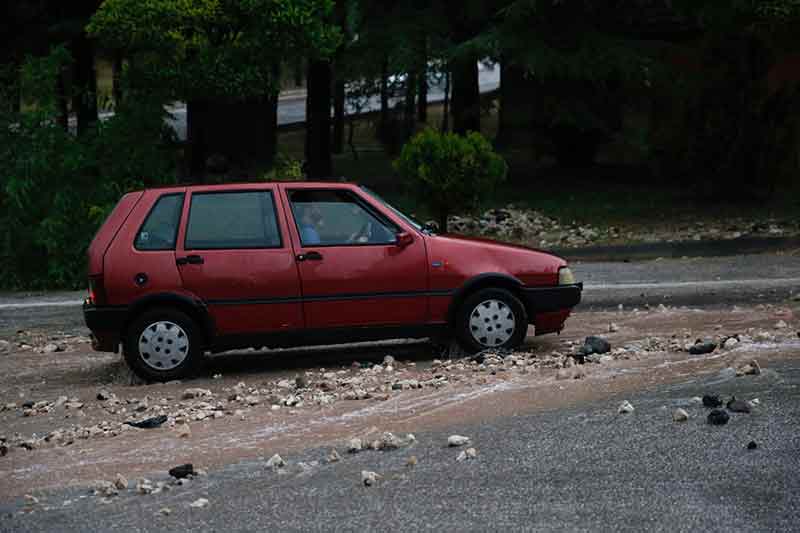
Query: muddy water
[{"x": 477, "y": 397}]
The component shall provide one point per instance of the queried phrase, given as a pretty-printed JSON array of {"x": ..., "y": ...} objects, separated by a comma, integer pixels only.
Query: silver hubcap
[
  {"x": 492, "y": 323},
  {"x": 163, "y": 345}
]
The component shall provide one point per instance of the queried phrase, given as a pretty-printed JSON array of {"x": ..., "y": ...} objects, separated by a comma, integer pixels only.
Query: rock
[
  {"x": 165, "y": 511},
  {"x": 389, "y": 441},
  {"x": 696, "y": 399},
  {"x": 251, "y": 400},
  {"x": 457, "y": 440},
  {"x": 182, "y": 471},
  {"x": 613, "y": 328},
  {"x": 625, "y": 407},
  {"x": 750, "y": 369},
  {"x": 355, "y": 445},
  {"x": 333, "y": 456},
  {"x": 51, "y": 348},
  {"x": 199, "y": 503},
  {"x": 710, "y": 401},
  {"x": 466, "y": 455},
  {"x": 718, "y": 417},
  {"x": 700, "y": 348},
  {"x": 597, "y": 345},
  {"x": 388, "y": 360},
  {"x": 3, "y": 450},
  {"x": 780, "y": 324},
  {"x": 190, "y": 394},
  {"x": 31, "y": 499},
  {"x": 149, "y": 423},
  {"x": 680, "y": 415},
  {"x": 104, "y": 395},
  {"x": 738, "y": 406},
  {"x": 569, "y": 373},
  {"x": 752, "y": 445},
  {"x": 144, "y": 486},
  {"x": 300, "y": 382},
  {"x": 120, "y": 482},
  {"x": 730, "y": 343},
  {"x": 183, "y": 431},
  {"x": 369, "y": 478},
  {"x": 276, "y": 461},
  {"x": 412, "y": 461}
]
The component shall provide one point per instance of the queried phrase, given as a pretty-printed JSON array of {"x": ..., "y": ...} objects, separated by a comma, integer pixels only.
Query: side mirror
[{"x": 404, "y": 239}]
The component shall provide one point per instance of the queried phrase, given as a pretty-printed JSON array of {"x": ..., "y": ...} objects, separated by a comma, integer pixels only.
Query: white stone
[
  {"x": 625, "y": 407},
  {"x": 730, "y": 343},
  {"x": 276, "y": 461},
  {"x": 369, "y": 478},
  {"x": 680, "y": 415},
  {"x": 355, "y": 445},
  {"x": 199, "y": 503},
  {"x": 613, "y": 328},
  {"x": 457, "y": 440},
  {"x": 469, "y": 453},
  {"x": 120, "y": 482}
]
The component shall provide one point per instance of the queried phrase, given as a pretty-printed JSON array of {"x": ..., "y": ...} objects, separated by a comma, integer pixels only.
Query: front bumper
[
  {"x": 106, "y": 323},
  {"x": 555, "y": 298}
]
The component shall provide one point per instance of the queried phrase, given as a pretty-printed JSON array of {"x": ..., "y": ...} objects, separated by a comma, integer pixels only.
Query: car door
[
  {"x": 353, "y": 270},
  {"x": 235, "y": 255}
]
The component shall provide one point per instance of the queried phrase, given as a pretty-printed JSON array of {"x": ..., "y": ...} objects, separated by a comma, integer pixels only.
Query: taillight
[{"x": 97, "y": 292}]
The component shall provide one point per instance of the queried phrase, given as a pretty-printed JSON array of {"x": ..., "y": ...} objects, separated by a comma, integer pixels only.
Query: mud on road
[{"x": 64, "y": 407}]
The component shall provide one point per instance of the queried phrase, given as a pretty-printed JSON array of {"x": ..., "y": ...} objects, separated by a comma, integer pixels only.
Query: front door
[
  {"x": 235, "y": 255},
  {"x": 352, "y": 269}
]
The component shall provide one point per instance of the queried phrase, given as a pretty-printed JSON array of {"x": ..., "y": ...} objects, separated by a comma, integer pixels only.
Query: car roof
[{"x": 245, "y": 184}]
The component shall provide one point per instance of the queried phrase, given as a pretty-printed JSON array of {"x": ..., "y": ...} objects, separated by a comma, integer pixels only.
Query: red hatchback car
[{"x": 175, "y": 272}]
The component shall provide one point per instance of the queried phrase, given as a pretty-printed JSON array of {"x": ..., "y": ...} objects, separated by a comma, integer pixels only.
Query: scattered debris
[
  {"x": 613, "y": 328},
  {"x": 412, "y": 461},
  {"x": 182, "y": 471},
  {"x": 334, "y": 456},
  {"x": 718, "y": 417},
  {"x": 680, "y": 415},
  {"x": 276, "y": 461},
  {"x": 120, "y": 482},
  {"x": 457, "y": 440},
  {"x": 183, "y": 431},
  {"x": 192, "y": 393},
  {"x": 701, "y": 348},
  {"x": 199, "y": 503},
  {"x": 730, "y": 343},
  {"x": 750, "y": 369},
  {"x": 625, "y": 407},
  {"x": 165, "y": 511},
  {"x": 149, "y": 423},
  {"x": 469, "y": 453},
  {"x": 355, "y": 445},
  {"x": 752, "y": 445},
  {"x": 711, "y": 400},
  {"x": 369, "y": 478}
]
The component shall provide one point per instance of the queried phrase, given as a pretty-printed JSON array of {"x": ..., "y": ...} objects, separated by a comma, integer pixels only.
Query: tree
[
  {"x": 222, "y": 58},
  {"x": 450, "y": 172}
]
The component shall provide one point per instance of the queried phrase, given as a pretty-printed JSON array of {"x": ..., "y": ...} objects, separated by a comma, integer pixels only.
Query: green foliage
[
  {"x": 450, "y": 172},
  {"x": 285, "y": 168},
  {"x": 214, "y": 48},
  {"x": 56, "y": 188}
]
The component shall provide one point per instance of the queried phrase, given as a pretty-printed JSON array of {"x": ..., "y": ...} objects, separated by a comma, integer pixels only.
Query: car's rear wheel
[
  {"x": 491, "y": 318},
  {"x": 163, "y": 344}
]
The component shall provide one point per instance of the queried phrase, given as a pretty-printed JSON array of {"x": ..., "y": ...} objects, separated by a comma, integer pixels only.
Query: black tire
[
  {"x": 135, "y": 358},
  {"x": 464, "y": 313}
]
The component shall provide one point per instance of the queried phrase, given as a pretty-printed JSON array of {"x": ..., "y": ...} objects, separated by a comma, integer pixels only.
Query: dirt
[{"x": 648, "y": 348}]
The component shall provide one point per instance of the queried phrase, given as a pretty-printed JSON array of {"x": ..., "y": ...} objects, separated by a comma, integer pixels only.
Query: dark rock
[
  {"x": 28, "y": 404},
  {"x": 300, "y": 382},
  {"x": 593, "y": 344},
  {"x": 752, "y": 445},
  {"x": 710, "y": 400},
  {"x": 738, "y": 406},
  {"x": 3, "y": 450},
  {"x": 701, "y": 348},
  {"x": 718, "y": 417},
  {"x": 149, "y": 423},
  {"x": 182, "y": 471}
]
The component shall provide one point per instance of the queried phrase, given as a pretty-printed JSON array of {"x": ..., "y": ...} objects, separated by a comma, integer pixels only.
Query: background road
[{"x": 697, "y": 282}]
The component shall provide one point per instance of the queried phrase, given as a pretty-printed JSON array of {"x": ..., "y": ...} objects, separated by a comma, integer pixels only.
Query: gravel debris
[{"x": 457, "y": 440}]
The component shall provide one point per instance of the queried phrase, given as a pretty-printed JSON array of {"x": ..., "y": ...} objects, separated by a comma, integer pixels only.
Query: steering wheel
[{"x": 362, "y": 235}]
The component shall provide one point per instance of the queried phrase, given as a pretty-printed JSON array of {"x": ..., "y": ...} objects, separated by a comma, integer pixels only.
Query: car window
[
  {"x": 232, "y": 220},
  {"x": 338, "y": 218},
  {"x": 160, "y": 228}
]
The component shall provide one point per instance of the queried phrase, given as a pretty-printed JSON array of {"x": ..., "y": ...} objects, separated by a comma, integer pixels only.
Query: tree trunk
[
  {"x": 517, "y": 95},
  {"x": 383, "y": 127},
  {"x": 466, "y": 96},
  {"x": 195, "y": 140},
  {"x": 443, "y": 214},
  {"x": 409, "y": 111},
  {"x": 318, "y": 120},
  {"x": 422, "y": 91},
  {"x": 446, "y": 106},
  {"x": 117, "y": 81},
  {"x": 338, "y": 117},
  {"x": 84, "y": 100}
]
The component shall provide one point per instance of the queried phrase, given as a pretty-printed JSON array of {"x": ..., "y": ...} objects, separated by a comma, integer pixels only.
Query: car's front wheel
[
  {"x": 162, "y": 345},
  {"x": 491, "y": 318}
]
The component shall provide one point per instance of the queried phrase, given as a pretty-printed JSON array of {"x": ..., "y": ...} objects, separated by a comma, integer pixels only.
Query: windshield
[{"x": 417, "y": 226}]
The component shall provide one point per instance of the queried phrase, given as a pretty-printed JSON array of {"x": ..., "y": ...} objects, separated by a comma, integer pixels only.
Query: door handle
[
  {"x": 190, "y": 259},
  {"x": 309, "y": 256}
]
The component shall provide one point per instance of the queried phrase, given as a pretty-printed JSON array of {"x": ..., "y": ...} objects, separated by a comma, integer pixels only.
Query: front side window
[
  {"x": 232, "y": 220},
  {"x": 336, "y": 218},
  {"x": 160, "y": 229}
]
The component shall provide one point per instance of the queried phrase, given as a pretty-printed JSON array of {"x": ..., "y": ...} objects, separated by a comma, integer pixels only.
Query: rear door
[
  {"x": 234, "y": 254},
  {"x": 353, "y": 271}
]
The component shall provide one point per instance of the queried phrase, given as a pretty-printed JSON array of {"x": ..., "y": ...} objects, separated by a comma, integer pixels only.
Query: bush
[
  {"x": 449, "y": 172},
  {"x": 56, "y": 188}
]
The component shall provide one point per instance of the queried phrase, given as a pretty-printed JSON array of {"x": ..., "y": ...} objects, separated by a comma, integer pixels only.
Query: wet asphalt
[{"x": 583, "y": 468}]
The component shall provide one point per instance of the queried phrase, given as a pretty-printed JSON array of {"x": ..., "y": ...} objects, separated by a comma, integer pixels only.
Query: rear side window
[
  {"x": 160, "y": 228},
  {"x": 232, "y": 220}
]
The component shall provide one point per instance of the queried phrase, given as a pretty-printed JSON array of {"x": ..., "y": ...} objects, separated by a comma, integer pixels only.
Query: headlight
[{"x": 565, "y": 276}]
